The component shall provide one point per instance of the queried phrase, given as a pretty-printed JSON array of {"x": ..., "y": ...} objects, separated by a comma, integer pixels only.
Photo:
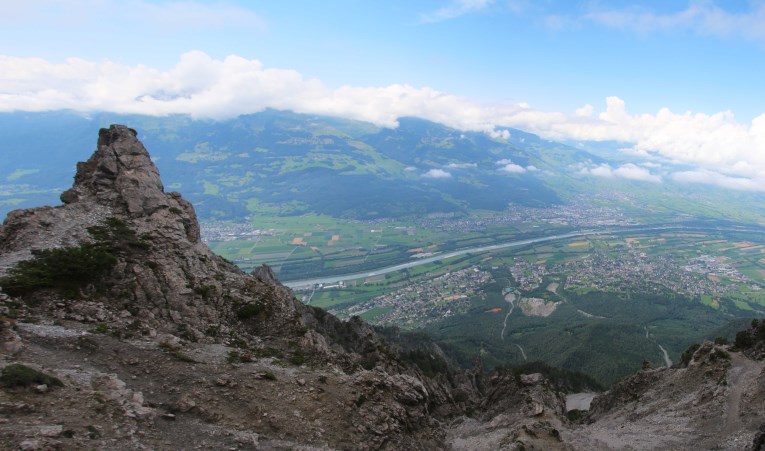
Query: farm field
[{"x": 640, "y": 290}]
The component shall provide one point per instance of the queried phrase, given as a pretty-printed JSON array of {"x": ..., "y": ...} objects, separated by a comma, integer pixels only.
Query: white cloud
[
  {"x": 585, "y": 111},
  {"x": 708, "y": 177},
  {"x": 455, "y": 9},
  {"x": 503, "y": 134},
  {"x": 509, "y": 166},
  {"x": 703, "y": 17},
  {"x": 513, "y": 168},
  {"x": 627, "y": 171},
  {"x": 437, "y": 174},
  {"x": 461, "y": 165},
  {"x": 205, "y": 87}
]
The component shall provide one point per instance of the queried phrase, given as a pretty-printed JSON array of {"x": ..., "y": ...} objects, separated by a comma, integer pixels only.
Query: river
[{"x": 479, "y": 249}]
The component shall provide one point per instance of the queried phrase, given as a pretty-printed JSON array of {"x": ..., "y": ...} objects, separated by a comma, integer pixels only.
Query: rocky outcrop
[
  {"x": 120, "y": 174},
  {"x": 165, "y": 279},
  {"x": 167, "y": 287}
]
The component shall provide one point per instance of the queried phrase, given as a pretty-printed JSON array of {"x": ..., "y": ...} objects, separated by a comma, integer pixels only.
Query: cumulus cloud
[
  {"x": 437, "y": 174},
  {"x": 461, "y": 165},
  {"x": 627, "y": 171},
  {"x": 509, "y": 166},
  {"x": 206, "y": 87},
  {"x": 585, "y": 111},
  {"x": 503, "y": 134},
  {"x": 513, "y": 168}
]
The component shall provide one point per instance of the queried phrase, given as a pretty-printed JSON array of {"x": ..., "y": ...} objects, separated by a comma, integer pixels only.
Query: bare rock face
[
  {"x": 167, "y": 290},
  {"x": 165, "y": 278},
  {"x": 120, "y": 174}
]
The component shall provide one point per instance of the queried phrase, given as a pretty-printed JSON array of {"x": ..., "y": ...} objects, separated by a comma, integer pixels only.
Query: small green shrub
[
  {"x": 719, "y": 354},
  {"x": 93, "y": 432},
  {"x": 269, "y": 352},
  {"x": 233, "y": 357},
  {"x": 744, "y": 339},
  {"x": 183, "y": 357},
  {"x": 685, "y": 359},
  {"x": 318, "y": 313},
  {"x": 116, "y": 236},
  {"x": 64, "y": 269},
  {"x": 269, "y": 376},
  {"x": 238, "y": 357},
  {"x": 249, "y": 310},
  {"x": 297, "y": 359},
  {"x": 18, "y": 375},
  {"x": 574, "y": 415},
  {"x": 205, "y": 291}
]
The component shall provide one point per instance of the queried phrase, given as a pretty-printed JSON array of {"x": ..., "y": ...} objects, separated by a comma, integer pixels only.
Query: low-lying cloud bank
[
  {"x": 626, "y": 171},
  {"x": 724, "y": 152}
]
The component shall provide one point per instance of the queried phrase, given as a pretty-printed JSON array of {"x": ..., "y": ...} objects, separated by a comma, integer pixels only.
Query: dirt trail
[
  {"x": 665, "y": 355},
  {"x": 510, "y": 298},
  {"x": 667, "y": 360},
  {"x": 523, "y": 353},
  {"x": 742, "y": 374}
]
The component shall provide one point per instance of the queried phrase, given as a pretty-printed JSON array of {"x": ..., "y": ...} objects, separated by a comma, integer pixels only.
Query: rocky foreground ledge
[{"x": 121, "y": 330}]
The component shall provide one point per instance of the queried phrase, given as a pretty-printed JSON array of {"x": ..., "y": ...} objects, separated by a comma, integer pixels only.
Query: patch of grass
[
  {"x": 18, "y": 375},
  {"x": 183, "y": 357},
  {"x": 238, "y": 357},
  {"x": 269, "y": 352},
  {"x": 297, "y": 359}
]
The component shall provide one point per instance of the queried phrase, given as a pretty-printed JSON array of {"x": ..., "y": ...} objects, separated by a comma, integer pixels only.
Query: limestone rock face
[
  {"x": 169, "y": 289},
  {"x": 172, "y": 282},
  {"x": 119, "y": 174}
]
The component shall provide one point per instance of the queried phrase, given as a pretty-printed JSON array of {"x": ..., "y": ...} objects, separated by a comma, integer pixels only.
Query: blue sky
[{"x": 680, "y": 79}]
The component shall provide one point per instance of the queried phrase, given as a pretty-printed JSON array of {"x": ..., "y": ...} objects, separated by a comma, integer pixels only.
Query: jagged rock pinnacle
[{"x": 119, "y": 174}]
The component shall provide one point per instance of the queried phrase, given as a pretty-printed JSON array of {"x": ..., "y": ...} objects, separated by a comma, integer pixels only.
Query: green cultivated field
[{"x": 608, "y": 344}]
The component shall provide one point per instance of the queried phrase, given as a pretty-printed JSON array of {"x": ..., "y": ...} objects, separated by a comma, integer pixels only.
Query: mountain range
[{"x": 283, "y": 163}]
